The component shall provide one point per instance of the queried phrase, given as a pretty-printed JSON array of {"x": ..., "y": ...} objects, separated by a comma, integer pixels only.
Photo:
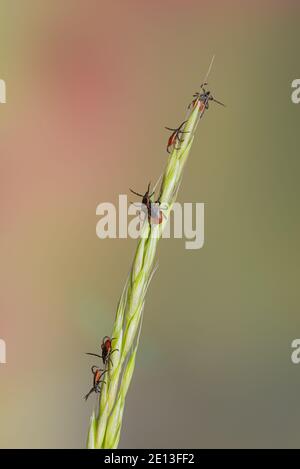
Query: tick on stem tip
[{"x": 202, "y": 99}]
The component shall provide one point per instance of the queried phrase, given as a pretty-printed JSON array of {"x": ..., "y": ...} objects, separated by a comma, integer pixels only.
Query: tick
[
  {"x": 202, "y": 98},
  {"x": 106, "y": 348},
  {"x": 153, "y": 210},
  {"x": 97, "y": 381},
  {"x": 175, "y": 136}
]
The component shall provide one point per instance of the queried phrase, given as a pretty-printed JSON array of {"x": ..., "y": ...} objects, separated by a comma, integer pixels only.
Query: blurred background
[{"x": 90, "y": 87}]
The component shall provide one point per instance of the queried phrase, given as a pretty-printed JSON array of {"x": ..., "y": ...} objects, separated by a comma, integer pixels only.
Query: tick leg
[
  {"x": 110, "y": 360},
  {"x": 94, "y": 355},
  {"x": 180, "y": 127},
  {"x": 98, "y": 387},
  {"x": 136, "y": 193},
  {"x": 218, "y": 102},
  {"x": 88, "y": 394}
]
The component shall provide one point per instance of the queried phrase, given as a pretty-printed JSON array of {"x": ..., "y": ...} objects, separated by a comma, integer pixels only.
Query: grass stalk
[{"x": 105, "y": 425}]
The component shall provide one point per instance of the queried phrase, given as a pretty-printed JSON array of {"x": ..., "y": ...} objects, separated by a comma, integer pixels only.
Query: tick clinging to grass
[
  {"x": 175, "y": 137},
  {"x": 106, "y": 422},
  {"x": 97, "y": 381},
  {"x": 202, "y": 98},
  {"x": 153, "y": 210},
  {"x": 146, "y": 198},
  {"x": 106, "y": 348}
]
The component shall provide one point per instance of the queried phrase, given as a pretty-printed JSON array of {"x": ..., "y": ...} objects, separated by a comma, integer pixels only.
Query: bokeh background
[{"x": 90, "y": 87}]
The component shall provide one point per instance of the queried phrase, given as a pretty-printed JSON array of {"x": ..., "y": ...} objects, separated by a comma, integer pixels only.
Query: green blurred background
[{"x": 90, "y": 87}]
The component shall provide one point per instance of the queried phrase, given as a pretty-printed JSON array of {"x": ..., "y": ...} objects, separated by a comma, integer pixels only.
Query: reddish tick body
[
  {"x": 97, "y": 380},
  {"x": 175, "y": 137},
  {"x": 106, "y": 349}
]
